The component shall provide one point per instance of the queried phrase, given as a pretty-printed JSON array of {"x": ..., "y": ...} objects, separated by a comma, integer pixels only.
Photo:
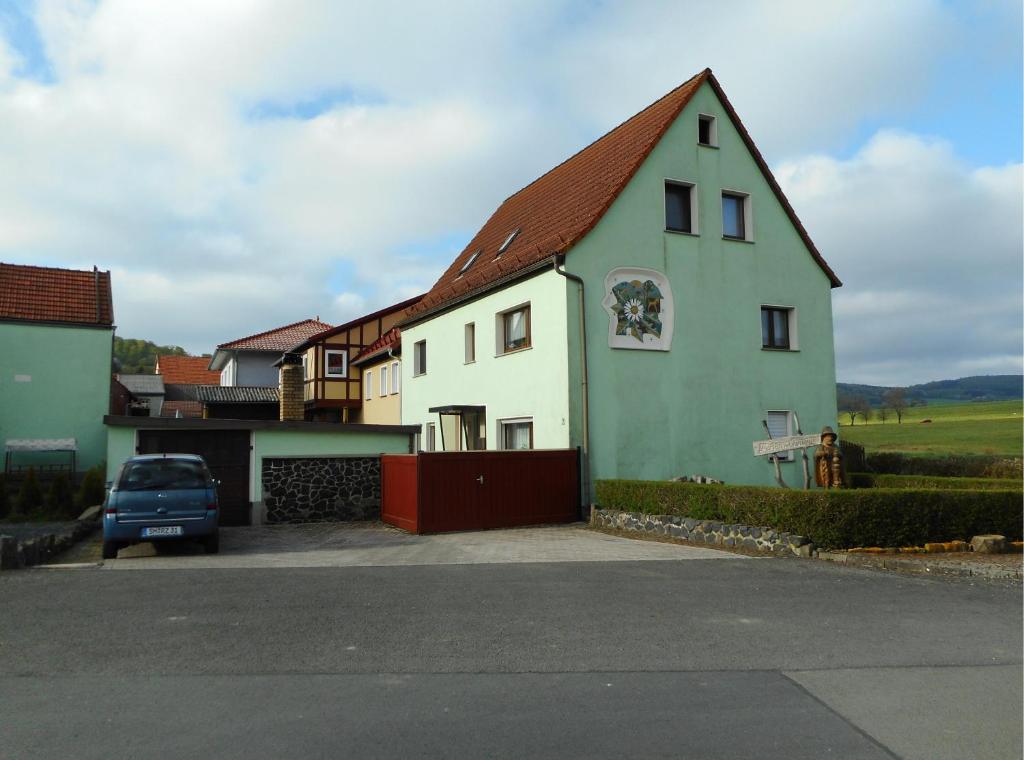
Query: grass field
[{"x": 973, "y": 428}]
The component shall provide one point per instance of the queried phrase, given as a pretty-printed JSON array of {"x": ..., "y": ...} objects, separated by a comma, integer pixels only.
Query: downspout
[{"x": 585, "y": 380}]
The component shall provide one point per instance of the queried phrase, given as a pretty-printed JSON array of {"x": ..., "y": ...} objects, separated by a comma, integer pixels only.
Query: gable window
[
  {"x": 780, "y": 425},
  {"x": 383, "y": 380},
  {"x": 516, "y": 433},
  {"x": 470, "y": 337},
  {"x": 337, "y": 363},
  {"x": 777, "y": 327},
  {"x": 419, "y": 358},
  {"x": 469, "y": 262},
  {"x": 515, "y": 329},
  {"x": 431, "y": 437},
  {"x": 367, "y": 385},
  {"x": 707, "y": 130},
  {"x": 736, "y": 216},
  {"x": 395, "y": 373},
  {"x": 680, "y": 207}
]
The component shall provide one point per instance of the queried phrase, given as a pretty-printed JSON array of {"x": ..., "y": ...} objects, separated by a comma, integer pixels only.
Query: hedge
[
  {"x": 952, "y": 465},
  {"x": 837, "y": 519},
  {"x": 871, "y": 480}
]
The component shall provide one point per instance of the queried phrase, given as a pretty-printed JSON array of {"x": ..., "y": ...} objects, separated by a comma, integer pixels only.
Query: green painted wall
[
  {"x": 530, "y": 383},
  {"x": 55, "y": 383},
  {"x": 697, "y": 408},
  {"x": 120, "y": 446},
  {"x": 279, "y": 443}
]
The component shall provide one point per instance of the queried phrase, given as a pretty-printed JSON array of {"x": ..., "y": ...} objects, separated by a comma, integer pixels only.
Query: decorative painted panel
[{"x": 640, "y": 309}]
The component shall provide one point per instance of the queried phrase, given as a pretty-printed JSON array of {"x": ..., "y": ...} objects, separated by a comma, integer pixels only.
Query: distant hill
[
  {"x": 976, "y": 388},
  {"x": 138, "y": 357}
]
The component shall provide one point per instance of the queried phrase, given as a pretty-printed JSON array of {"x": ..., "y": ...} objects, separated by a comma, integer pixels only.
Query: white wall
[{"x": 528, "y": 383}]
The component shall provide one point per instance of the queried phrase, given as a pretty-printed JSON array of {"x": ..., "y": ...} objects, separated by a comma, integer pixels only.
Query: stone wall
[
  {"x": 317, "y": 489},
  {"x": 704, "y": 531}
]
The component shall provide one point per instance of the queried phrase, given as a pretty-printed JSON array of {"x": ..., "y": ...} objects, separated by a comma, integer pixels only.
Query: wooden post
[
  {"x": 803, "y": 453},
  {"x": 775, "y": 459}
]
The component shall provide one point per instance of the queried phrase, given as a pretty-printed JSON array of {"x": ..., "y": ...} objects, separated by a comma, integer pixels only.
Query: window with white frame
[
  {"x": 395, "y": 374},
  {"x": 336, "y": 363},
  {"x": 707, "y": 130},
  {"x": 431, "y": 437},
  {"x": 514, "y": 329},
  {"x": 368, "y": 385},
  {"x": 780, "y": 425},
  {"x": 305, "y": 367},
  {"x": 470, "y": 338},
  {"x": 737, "y": 223},
  {"x": 516, "y": 433},
  {"x": 778, "y": 328},
  {"x": 383, "y": 381},
  {"x": 419, "y": 358},
  {"x": 680, "y": 206}
]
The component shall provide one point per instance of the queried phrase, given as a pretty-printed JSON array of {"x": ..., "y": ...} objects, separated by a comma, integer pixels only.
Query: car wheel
[
  {"x": 110, "y": 549},
  {"x": 212, "y": 543}
]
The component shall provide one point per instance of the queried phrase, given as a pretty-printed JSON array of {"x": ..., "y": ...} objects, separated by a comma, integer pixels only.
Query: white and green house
[
  {"x": 56, "y": 330},
  {"x": 653, "y": 300}
]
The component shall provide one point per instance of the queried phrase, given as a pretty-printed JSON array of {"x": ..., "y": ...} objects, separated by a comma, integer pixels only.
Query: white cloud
[
  {"x": 144, "y": 155},
  {"x": 929, "y": 251}
]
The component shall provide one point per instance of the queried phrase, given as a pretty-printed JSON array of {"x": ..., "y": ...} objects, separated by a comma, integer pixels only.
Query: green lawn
[{"x": 972, "y": 428}]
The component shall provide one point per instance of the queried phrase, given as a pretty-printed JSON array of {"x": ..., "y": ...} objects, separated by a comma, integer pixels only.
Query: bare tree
[
  {"x": 896, "y": 399},
  {"x": 853, "y": 406},
  {"x": 882, "y": 413}
]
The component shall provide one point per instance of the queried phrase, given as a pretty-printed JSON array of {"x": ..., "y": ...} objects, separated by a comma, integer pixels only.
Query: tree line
[{"x": 895, "y": 403}]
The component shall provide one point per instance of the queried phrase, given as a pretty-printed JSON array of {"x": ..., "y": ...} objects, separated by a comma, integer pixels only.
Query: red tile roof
[
  {"x": 391, "y": 339},
  {"x": 279, "y": 339},
  {"x": 186, "y": 370},
  {"x": 557, "y": 210},
  {"x": 187, "y": 408},
  {"x": 47, "y": 294}
]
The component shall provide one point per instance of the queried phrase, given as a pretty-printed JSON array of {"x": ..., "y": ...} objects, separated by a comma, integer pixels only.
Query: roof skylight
[
  {"x": 508, "y": 241},
  {"x": 469, "y": 262}
]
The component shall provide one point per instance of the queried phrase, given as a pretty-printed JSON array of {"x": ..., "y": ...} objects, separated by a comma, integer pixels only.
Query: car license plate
[{"x": 171, "y": 530}]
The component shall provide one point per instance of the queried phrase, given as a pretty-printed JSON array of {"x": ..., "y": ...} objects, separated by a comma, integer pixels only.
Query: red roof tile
[
  {"x": 187, "y": 408},
  {"x": 186, "y": 370},
  {"x": 279, "y": 339},
  {"x": 557, "y": 210},
  {"x": 390, "y": 339},
  {"x": 47, "y": 294}
]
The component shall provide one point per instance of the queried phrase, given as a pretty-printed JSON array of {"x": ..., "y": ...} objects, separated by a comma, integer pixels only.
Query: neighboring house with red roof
[
  {"x": 334, "y": 389},
  {"x": 186, "y": 370},
  {"x": 56, "y": 329},
  {"x": 653, "y": 300},
  {"x": 250, "y": 361}
]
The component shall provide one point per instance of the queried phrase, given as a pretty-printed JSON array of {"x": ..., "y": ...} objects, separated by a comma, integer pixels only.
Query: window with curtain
[
  {"x": 517, "y": 434},
  {"x": 516, "y": 327},
  {"x": 775, "y": 327}
]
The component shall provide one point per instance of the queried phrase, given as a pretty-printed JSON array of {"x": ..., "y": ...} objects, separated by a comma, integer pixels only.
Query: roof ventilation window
[
  {"x": 469, "y": 262},
  {"x": 508, "y": 241}
]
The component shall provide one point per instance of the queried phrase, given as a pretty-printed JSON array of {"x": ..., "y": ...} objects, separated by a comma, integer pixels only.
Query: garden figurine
[{"x": 828, "y": 461}]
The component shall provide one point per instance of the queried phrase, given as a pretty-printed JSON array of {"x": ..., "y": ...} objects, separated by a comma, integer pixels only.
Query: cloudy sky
[{"x": 240, "y": 165}]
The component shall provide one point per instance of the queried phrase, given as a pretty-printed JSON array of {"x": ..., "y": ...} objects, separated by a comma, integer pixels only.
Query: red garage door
[{"x": 476, "y": 490}]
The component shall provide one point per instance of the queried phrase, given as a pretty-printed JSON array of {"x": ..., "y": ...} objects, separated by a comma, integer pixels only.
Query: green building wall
[
  {"x": 696, "y": 408},
  {"x": 55, "y": 383}
]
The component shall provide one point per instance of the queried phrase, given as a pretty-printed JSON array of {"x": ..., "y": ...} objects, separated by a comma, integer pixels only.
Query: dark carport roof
[{"x": 236, "y": 394}]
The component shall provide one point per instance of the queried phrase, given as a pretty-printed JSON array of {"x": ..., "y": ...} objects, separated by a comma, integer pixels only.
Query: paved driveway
[{"x": 355, "y": 545}]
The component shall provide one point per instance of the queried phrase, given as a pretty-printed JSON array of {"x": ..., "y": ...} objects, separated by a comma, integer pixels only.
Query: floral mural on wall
[{"x": 640, "y": 308}]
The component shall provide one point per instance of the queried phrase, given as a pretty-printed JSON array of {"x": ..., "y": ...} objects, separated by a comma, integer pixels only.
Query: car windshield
[{"x": 163, "y": 475}]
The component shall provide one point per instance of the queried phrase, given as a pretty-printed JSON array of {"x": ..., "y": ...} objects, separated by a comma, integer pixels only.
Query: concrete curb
[
  {"x": 924, "y": 565},
  {"x": 16, "y": 554}
]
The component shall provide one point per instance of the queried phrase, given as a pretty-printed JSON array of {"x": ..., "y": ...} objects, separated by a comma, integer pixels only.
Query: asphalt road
[{"x": 702, "y": 659}]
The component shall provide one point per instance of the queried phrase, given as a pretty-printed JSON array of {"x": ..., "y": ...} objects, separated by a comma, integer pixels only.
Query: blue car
[{"x": 161, "y": 497}]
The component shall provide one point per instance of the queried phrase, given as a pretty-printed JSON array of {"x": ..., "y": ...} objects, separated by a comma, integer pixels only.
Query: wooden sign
[{"x": 789, "y": 443}]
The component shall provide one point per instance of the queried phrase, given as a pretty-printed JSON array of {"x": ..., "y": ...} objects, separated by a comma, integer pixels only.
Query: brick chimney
[{"x": 291, "y": 387}]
